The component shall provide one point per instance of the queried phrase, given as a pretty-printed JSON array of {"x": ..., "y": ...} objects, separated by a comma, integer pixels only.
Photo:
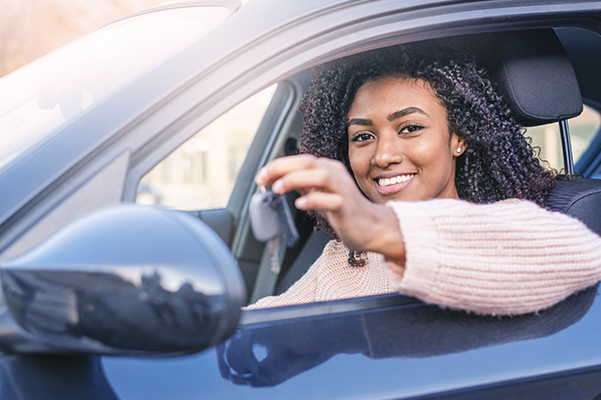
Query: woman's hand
[{"x": 326, "y": 186}]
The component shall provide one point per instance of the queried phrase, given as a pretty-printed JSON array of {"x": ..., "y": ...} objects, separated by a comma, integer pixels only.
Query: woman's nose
[{"x": 388, "y": 151}]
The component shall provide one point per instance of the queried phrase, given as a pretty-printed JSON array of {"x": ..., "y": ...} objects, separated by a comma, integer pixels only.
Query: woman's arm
[{"x": 503, "y": 258}]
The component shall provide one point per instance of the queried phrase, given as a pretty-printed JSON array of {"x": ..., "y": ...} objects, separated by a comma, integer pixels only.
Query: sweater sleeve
[{"x": 498, "y": 259}]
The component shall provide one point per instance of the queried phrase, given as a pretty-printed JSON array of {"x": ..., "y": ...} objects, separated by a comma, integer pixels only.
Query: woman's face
[{"x": 400, "y": 147}]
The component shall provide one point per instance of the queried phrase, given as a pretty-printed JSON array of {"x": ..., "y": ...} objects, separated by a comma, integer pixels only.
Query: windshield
[{"x": 45, "y": 94}]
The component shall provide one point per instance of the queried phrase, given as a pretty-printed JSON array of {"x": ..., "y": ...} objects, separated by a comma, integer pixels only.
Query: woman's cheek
[{"x": 360, "y": 161}]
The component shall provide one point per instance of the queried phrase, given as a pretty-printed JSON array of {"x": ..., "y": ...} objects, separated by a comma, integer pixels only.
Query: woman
[{"x": 417, "y": 166}]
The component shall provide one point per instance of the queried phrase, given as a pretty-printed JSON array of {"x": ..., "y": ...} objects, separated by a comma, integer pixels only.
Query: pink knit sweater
[{"x": 500, "y": 259}]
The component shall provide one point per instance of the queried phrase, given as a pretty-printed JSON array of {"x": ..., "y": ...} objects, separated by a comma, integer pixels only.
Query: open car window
[{"x": 546, "y": 141}]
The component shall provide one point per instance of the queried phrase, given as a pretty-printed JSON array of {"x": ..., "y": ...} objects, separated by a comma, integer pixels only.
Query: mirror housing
[{"x": 126, "y": 280}]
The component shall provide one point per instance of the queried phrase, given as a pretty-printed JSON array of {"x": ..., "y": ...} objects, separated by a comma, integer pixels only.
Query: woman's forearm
[{"x": 493, "y": 259}]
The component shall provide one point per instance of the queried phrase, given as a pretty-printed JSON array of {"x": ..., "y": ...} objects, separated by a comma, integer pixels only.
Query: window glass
[
  {"x": 583, "y": 129},
  {"x": 201, "y": 173},
  {"x": 59, "y": 87}
]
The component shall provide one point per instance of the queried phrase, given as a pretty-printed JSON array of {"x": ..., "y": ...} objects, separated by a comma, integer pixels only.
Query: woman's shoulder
[{"x": 335, "y": 250}]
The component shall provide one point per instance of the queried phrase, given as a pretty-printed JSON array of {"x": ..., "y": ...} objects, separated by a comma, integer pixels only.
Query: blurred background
[{"x": 30, "y": 29}]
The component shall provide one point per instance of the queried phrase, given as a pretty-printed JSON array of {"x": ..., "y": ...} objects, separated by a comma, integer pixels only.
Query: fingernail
[
  {"x": 278, "y": 187},
  {"x": 260, "y": 176},
  {"x": 300, "y": 203}
]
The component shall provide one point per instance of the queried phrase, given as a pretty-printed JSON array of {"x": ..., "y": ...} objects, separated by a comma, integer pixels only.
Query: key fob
[{"x": 271, "y": 216}]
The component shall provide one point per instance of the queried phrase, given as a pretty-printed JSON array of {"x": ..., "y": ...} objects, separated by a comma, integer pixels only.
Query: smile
[
  {"x": 394, "y": 180},
  {"x": 393, "y": 184}
]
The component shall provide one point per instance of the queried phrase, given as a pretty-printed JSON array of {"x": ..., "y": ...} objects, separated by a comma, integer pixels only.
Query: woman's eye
[
  {"x": 411, "y": 128},
  {"x": 361, "y": 137}
]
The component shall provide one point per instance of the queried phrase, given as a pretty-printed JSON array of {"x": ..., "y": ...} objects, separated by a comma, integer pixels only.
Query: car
[{"x": 104, "y": 298}]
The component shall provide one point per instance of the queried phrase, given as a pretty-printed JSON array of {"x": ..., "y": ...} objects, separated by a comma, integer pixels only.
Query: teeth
[{"x": 394, "y": 180}]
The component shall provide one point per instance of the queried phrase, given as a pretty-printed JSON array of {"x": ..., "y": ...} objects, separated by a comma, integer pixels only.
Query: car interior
[{"x": 546, "y": 75}]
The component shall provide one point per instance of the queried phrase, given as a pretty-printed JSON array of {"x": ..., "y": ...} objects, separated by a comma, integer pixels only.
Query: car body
[{"x": 88, "y": 132}]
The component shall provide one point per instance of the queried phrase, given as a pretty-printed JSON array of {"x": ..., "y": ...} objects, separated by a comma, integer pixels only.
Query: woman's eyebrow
[
  {"x": 406, "y": 111},
  {"x": 360, "y": 121},
  {"x": 391, "y": 117}
]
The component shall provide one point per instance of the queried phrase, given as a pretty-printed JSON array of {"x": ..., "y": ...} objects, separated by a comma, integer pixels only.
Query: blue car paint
[{"x": 423, "y": 350}]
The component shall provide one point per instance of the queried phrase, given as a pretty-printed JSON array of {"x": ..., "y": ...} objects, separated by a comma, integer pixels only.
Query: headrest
[{"x": 534, "y": 75}]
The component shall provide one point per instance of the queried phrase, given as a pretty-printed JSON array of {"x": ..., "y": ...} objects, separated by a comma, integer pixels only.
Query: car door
[{"x": 383, "y": 347}]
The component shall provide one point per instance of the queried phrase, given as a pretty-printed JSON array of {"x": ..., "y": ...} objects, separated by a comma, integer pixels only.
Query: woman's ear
[{"x": 458, "y": 145}]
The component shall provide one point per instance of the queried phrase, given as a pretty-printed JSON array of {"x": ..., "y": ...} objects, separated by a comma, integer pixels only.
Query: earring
[{"x": 458, "y": 150}]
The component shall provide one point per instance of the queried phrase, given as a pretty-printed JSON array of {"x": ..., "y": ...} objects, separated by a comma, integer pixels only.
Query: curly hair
[{"x": 499, "y": 162}]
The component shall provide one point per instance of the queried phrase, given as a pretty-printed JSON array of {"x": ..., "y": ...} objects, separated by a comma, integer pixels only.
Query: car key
[{"x": 270, "y": 216}]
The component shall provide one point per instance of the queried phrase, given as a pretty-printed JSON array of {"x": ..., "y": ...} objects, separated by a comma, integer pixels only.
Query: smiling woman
[
  {"x": 395, "y": 121},
  {"x": 402, "y": 142}
]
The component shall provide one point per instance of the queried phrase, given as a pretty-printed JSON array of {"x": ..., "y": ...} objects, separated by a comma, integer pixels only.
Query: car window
[
  {"x": 583, "y": 129},
  {"x": 201, "y": 173}
]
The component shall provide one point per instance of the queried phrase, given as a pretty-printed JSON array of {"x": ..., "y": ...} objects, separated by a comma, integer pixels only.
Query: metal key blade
[{"x": 273, "y": 246}]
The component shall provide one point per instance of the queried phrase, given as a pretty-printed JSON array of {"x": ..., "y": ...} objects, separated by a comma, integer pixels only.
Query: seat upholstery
[{"x": 579, "y": 198}]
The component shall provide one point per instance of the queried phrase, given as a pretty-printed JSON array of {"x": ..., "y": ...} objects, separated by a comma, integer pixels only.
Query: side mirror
[{"x": 127, "y": 280}]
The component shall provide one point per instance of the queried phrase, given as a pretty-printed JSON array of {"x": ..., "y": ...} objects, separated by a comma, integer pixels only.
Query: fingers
[
  {"x": 320, "y": 201},
  {"x": 281, "y": 166},
  {"x": 302, "y": 172},
  {"x": 317, "y": 178}
]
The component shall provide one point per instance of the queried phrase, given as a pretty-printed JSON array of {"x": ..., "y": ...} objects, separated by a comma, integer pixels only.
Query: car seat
[{"x": 536, "y": 78}]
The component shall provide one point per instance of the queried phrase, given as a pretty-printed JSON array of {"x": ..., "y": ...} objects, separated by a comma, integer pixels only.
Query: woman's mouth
[{"x": 393, "y": 184}]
